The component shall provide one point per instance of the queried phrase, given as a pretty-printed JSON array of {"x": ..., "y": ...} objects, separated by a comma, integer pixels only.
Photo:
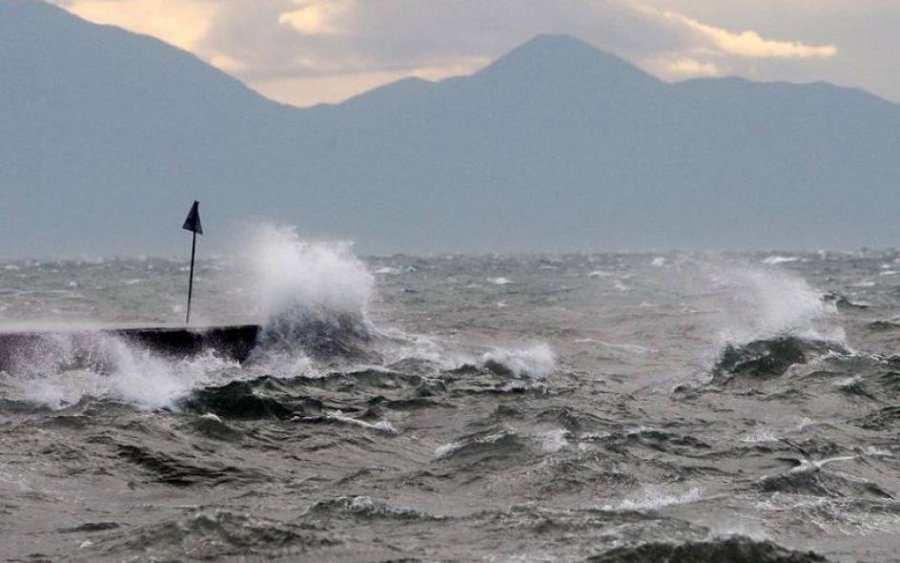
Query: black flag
[{"x": 192, "y": 223}]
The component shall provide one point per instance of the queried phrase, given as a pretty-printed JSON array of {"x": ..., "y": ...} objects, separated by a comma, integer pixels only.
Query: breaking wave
[
  {"x": 60, "y": 370},
  {"x": 765, "y": 320},
  {"x": 535, "y": 362},
  {"x": 311, "y": 297},
  {"x": 758, "y": 304}
]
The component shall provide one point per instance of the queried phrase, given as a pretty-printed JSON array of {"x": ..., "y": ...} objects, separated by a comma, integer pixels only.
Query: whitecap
[
  {"x": 618, "y": 285},
  {"x": 388, "y": 271},
  {"x": 758, "y": 304},
  {"x": 535, "y": 362},
  {"x": 761, "y": 435},
  {"x": 775, "y": 260},
  {"x": 655, "y": 498},
  {"x": 553, "y": 440},
  {"x": 381, "y": 426}
]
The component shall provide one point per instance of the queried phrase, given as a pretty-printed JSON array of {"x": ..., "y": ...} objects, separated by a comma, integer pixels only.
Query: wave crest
[{"x": 312, "y": 297}]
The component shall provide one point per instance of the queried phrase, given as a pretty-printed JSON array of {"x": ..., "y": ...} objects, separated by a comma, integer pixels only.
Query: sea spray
[
  {"x": 312, "y": 297},
  {"x": 101, "y": 366},
  {"x": 534, "y": 362},
  {"x": 761, "y": 303},
  {"x": 744, "y": 301}
]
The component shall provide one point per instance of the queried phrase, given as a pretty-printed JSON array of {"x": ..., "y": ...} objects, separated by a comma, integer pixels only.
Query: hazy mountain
[
  {"x": 556, "y": 146},
  {"x": 105, "y": 131}
]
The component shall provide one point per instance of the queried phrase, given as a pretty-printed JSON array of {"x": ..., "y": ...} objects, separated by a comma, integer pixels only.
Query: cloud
[
  {"x": 181, "y": 23},
  {"x": 302, "y": 51},
  {"x": 749, "y": 43},
  {"x": 679, "y": 67},
  {"x": 308, "y": 90},
  {"x": 316, "y": 18},
  {"x": 311, "y": 38}
]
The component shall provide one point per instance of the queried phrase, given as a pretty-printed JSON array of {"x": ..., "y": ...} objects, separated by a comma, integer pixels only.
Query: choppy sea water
[{"x": 620, "y": 407}]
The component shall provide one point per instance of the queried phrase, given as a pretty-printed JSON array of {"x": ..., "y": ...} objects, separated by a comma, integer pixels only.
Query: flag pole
[
  {"x": 187, "y": 319},
  {"x": 192, "y": 223}
]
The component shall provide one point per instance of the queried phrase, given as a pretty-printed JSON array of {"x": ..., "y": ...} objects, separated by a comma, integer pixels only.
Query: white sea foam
[
  {"x": 553, "y": 440},
  {"x": 804, "y": 423},
  {"x": 848, "y": 381},
  {"x": 381, "y": 426},
  {"x": 126, "y": 372},
  {"x": 619, "y": 286},
  {"x": 500, "y": 281},
  {"x": 654, "y": 498},
  {"x": 449, "y": 448},
  {"x": 807, "y": 465},
  {"x": 388, "y": 271},
  {"x": 535, "y": 362},
  {"x": 761, "y": 435},
  {"x": 775, "y": 260}
]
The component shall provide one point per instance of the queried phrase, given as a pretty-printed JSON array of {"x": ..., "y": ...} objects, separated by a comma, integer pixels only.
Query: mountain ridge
[{"x": 555, "y": 146}]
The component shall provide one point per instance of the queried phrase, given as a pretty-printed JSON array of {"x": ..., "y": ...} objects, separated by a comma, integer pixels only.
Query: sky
[{"x": 305, "y": 52}]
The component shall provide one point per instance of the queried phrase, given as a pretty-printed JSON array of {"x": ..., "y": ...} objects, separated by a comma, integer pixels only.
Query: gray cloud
[
  {"x": 395, "y": 34},
  {"x": 265, "y": 42}
]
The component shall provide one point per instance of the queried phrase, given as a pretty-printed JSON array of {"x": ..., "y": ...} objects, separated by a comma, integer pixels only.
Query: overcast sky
[{"x": 309, "y": 51}]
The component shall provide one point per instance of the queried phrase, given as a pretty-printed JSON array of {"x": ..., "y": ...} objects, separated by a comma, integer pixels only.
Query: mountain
[
  {"x": 555, "y": 146},
  {"x": 107, "y": 130}
]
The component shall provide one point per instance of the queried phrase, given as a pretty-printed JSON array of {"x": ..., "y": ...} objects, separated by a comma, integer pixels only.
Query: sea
[{"x": 609, "y": 407}]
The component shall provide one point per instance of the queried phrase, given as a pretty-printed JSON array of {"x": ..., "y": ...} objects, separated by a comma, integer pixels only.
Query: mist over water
[{"x": 587, "y": 405}]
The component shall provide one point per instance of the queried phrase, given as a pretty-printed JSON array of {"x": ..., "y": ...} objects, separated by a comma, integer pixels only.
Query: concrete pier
[{"x": 83, "y": 346}]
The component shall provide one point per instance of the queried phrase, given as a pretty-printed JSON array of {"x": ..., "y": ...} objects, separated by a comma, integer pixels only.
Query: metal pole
[{"x": 187, "y": 319}]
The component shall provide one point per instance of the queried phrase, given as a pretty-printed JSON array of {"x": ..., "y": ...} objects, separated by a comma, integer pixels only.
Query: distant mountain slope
[
  {"x": 105, "y": 130},
  {"x": 555, "y": 146}
]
